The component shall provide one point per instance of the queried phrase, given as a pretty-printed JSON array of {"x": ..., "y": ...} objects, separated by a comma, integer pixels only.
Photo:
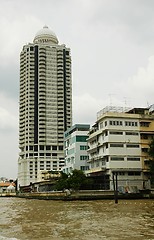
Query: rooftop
[
  {"x": 114, "y": 109},
  {"x": 45, "y": 35}
]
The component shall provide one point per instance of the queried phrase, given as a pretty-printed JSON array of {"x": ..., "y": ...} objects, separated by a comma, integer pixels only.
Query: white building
[
  {"x": 115, "y": 146},
  {"x": 75, "y": 142},
  {"x": 45, "y": 105}
]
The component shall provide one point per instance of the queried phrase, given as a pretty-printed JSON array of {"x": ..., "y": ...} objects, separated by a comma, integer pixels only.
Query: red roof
[{"x": 6, "y": 184}]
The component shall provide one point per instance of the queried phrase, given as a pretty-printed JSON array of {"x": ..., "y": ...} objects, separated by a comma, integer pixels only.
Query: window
[
  {"x": 145, "y": 150},
  {"x": 132, "y": 133},
  {"x": 116, "y": 133},
  {"x": 132, "y": 124},
  {"x": 81, "y": 138},
  {"x": 144, "y": 136},
  {"x": 61, "y": 148},
  {"x": 30, "y": 147},
  {"x": 84, "y": 168},
  {"x": 132, "y": 145},
  {"x": 116, "y": 145},
  {"x": 54, "y": 154},
  {"x": 48, "y": 148},
  {"x": 54, "y": 147},
  {"x": 121, "y": 173},
  {"x": 133, "y": 159},
  {"x": 35, "y": 148},
  {"x": 144, "y": 124},
  {"x": 115, "y": 123},
  {"x": 83, "y": 147},
  {"x": 84, "y": 157},
  {"x": 117, "y": 158},
  {"x": 134, "y": 173}
]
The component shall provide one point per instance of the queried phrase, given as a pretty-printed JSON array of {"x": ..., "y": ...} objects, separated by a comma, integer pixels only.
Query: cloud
[
  {"x": 7, "y": 121},
  {"x": 136, "y": 91},
  {"x": 131, "y": 19},
  {"x": 140, "y": 86},
  {"x": 8, "y": 114},
  {"x": 85, "y": 107},
  {"x": 9, "y": 154},
  {"x": 8, "y": 136},
  {"x": 15, "y": 34}
]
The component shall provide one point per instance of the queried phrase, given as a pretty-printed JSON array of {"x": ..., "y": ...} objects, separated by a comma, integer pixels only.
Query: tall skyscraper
[{"x": 45, "y": 107}]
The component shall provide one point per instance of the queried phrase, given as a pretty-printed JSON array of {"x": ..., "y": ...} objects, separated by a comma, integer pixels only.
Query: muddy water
[{"x": 25, "y": 219}]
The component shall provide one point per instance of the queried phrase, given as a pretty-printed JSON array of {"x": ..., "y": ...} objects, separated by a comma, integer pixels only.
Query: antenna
[
  {"x": 125, "y": 102},
  {"x": 110, "y": 98}
]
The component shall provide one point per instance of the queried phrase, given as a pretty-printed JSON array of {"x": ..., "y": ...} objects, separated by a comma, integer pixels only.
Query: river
[{"x": 25, "y": 219}]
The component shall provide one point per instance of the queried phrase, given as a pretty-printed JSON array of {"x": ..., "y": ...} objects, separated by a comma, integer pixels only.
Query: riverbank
[
  {"x": 85, "y": 195},
  {"x": 81, "y": 195}
]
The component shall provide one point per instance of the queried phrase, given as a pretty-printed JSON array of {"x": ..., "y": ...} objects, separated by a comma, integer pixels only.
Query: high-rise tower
[{"x": 45, "y": 107}]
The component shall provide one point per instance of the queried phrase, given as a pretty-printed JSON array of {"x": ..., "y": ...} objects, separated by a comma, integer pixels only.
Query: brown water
[{"x": 25, "y": 219}]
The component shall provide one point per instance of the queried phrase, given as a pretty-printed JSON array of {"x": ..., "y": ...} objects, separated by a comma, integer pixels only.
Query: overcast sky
[{"x": 112, "y": 48}]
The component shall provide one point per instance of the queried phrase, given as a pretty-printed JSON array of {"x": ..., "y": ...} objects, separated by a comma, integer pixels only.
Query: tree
[
  {"x": 76, "y": 179},
  {"x": 151, "y": 165},
  {"x": 62, "y": 182}
]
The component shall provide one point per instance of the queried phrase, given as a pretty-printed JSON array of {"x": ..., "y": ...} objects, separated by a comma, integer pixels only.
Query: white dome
[{"x": 45, "y": 35}]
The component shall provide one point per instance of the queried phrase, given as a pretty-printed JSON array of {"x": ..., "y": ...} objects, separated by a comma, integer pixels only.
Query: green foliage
[
  {"x": 151, "y": 164},
  {"x": 151, "y": 149},
  {"x": 76, "y": 179},
  {"x": 64, "y": 176},
  {"x": 73, "y": 181},
  {"x": 62, "y": 182}
]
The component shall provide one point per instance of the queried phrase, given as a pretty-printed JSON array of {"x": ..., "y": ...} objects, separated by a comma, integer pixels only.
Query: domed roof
[{"x": 45, "y": 35}]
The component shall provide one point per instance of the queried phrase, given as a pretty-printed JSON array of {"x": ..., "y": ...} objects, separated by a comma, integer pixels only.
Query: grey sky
[{"x": 112, "y": 48}]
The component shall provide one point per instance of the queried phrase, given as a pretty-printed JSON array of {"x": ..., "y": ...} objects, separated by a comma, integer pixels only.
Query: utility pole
[{"x": 115, "y": 186}]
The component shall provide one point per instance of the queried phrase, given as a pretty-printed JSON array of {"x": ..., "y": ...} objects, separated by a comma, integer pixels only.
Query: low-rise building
[
  {"x": 46, "y": 175},
  {"x": 7, "y": 187},
  {"x": 118, "y": 143},
  {"x": 75, "y": 144}
]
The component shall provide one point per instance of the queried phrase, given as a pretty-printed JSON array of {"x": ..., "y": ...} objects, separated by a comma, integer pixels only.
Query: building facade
[
  {"x": 45, "y": 107},
  {"x": 118, "y": 143},
  {"x": 75, "y": 142}
]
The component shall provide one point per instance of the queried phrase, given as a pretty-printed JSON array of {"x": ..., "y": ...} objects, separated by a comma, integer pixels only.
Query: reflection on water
[{"x": 25, "y": 219}]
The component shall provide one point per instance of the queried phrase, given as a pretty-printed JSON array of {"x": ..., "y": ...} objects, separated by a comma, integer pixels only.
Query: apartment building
[
  {"x": 118, "y": 143},
  {"x": 75, "y": 142},
  {"x": 45, "y": 107}
]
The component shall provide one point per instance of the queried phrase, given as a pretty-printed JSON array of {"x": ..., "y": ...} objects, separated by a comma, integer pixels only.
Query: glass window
[
  {"x": 81, "y": 138},
  {"x": 133, "y": 159},
  {"x": 117, "y": 158},
  {"x": 132, "y": 145},
  {"x": 116, "y": 145},
  {"x": 116, "y": 133}
]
